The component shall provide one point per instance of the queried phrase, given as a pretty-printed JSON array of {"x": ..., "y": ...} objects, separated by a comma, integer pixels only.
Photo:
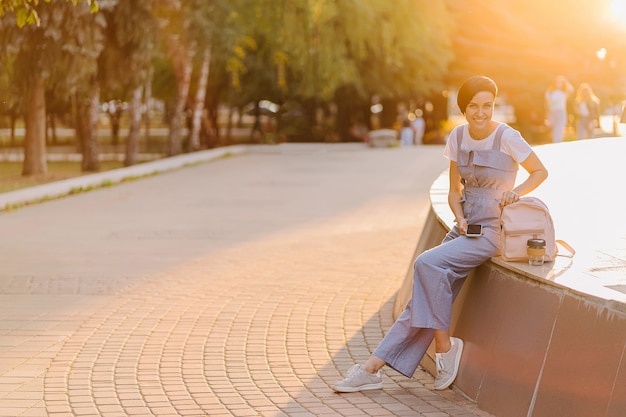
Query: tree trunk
[
  {"x": 198, "y": 104},
  {"x": 47, "y": 139},
  {"x": 389, "y": 115},
  {"x": 148, "y": 104},
  {"x": 132, "y": 143},
  {"x": 13, "y": 123},
  {"x": 183, "y": 67},
  {"x": 88, "y": 123},
  {"x": 207, "y": 139},
  {"x": 35, "y": 158},
  {"x": 352, "y": 111},
  {"x": 229, "y": 125},
  {"x": 52, "y": 129},
  {"x": 78, "y": 128},
  {"x": 213, "y": 131},
  {"x": 115, "y": 116}
]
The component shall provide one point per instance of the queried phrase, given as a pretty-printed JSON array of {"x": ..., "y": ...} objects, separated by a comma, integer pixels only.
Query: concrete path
[{"x": 244, "y": 286}]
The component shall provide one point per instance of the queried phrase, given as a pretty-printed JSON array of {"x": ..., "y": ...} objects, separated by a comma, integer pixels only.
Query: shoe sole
[
  {"x": 366, "y": 387},
  {"x": 457, "y": 361}
]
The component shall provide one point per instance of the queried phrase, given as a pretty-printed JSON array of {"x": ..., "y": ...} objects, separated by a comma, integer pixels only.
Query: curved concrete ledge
[
  {"x": 548, "y": 341},
  {"x": 66, "y": 187}
]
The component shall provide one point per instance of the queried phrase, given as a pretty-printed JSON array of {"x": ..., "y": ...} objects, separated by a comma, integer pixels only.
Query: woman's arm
[
  {"x": 537, "y": 173},
  {"x": 455, "y": 195}
]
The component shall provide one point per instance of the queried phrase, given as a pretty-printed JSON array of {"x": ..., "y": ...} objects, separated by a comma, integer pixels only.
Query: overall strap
[
  {"x": 498, "y": 139},
  {"x": 459, "y": 137}
]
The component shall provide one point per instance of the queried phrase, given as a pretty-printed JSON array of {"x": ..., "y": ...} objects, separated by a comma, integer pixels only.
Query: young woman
[
  {"x": 484, "y": 157},
  {"x": 587, "y": 111},
  {"x": 556, "y": 103}
]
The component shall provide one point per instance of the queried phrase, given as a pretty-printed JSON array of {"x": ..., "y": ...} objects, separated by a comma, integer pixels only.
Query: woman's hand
[
  {"x": 508, "y": 197},
  {"x": 462, "y": 225}
]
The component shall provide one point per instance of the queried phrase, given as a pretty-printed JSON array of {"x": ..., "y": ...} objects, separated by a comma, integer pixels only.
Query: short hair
[{"x": 473, "y": 86}]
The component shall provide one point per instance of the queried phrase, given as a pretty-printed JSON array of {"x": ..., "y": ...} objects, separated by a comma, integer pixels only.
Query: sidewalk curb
[{"x": 18, "y": 198}]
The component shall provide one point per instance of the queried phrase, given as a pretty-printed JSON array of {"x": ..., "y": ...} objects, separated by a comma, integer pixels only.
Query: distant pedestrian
[
  {"x": 556, "y": 105},
  {"x": 419, "y": 126},
  {"x": 358, "y": 131},
  {"x": 256, "y": 134},
  {"x": 587, "y": 111},
  {"x": 406, "y": 133}
]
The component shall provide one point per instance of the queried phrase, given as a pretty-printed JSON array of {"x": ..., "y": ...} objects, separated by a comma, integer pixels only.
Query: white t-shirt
[
  {"x": 419, "y": 125},
  {"x": 511, "y": 143},
  {"x": 557, "y": 100}
]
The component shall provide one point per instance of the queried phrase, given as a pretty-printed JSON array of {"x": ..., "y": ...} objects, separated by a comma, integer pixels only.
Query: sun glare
[{"x": 618, "y": 11}]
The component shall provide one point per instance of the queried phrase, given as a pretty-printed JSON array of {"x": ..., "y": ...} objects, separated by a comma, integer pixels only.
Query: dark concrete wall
[{"x": 532, "y": 349}]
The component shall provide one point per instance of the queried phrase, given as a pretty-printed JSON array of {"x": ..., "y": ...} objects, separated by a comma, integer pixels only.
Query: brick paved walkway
[{"x": 239, "y": 287}]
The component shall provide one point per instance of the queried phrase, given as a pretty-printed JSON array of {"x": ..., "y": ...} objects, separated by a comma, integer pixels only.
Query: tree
[
  {"x": 129, "y": 39},
  {"x": 205, "y": 26},
  {"x": 78, "y": 71},
  {"x": 11, "y": 104},
  {"x": 26, "y": 10},
  {"x": 405, "y": 58},
  {"x": 394, "y": 49},
  {"x": 87, "y": 110},
  {"x": 178, "y": 48},
  {"x": 304, "y": 51},
  {"x": 38, "y": 57}
]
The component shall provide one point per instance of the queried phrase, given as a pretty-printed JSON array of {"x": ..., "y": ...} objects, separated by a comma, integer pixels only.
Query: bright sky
[{"x": 618, "y": 11}]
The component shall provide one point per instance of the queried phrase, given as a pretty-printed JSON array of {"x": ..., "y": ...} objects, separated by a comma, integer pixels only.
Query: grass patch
[{"x": 11, "y": 178}]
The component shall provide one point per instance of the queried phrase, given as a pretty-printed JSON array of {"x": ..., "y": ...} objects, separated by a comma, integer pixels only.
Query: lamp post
[{"x": 602, "y": 54}]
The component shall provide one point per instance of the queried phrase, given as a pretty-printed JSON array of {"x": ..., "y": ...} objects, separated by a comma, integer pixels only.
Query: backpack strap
[{"x": 567, "y": 246}]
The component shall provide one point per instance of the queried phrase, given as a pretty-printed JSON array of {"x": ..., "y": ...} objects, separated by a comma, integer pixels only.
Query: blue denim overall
[{"x": 440, "y": 272}]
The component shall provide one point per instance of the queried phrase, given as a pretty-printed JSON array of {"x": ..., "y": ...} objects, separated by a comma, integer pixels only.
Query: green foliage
[
  {"x": 307, "y": 51},
  {"x": 64, "y": 47},
  {"x": 26, "y": 12},
  {"x": 309, "y": 48},
  {"x": 402, "y": 48},
  {"x": 129, "y": 39}
]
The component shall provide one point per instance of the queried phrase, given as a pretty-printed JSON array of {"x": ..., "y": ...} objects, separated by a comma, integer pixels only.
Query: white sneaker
[
  {"x": 358, "y": 379},
  {"x": 448, "y": 364}
]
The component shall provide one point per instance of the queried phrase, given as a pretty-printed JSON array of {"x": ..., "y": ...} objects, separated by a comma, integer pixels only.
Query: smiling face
[{"x": 479, "y": 111}]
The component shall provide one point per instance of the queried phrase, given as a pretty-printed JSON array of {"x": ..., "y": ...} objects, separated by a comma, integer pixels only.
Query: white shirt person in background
[
  {"x": 406, "y": 133},
  {"x": 419, "y": 126},
  {"x": 556, "y": 105}
]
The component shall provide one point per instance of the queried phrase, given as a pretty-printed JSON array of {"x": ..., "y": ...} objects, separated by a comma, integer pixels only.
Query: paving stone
[{"x": 244, "y": 286}]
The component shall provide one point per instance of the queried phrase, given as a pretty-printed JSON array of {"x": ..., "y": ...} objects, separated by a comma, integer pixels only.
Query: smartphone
[{"x": 474, "y": 230}]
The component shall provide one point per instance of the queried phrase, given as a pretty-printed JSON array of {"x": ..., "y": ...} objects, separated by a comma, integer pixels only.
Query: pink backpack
[{"x": 528, "y": 218}]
